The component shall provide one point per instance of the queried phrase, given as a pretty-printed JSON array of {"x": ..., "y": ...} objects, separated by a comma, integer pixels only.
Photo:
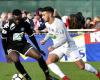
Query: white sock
[
  {"x": 55, "y": 69},
  {"x": 90, "y": 68}
]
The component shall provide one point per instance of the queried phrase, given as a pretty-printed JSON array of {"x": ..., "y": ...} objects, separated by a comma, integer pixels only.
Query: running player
[
  {"x": 14, "y": 42},
  {"x": 62, "y": 44}
]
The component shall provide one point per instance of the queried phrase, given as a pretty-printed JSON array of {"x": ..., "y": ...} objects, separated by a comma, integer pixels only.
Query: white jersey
[{"x": 58, "y": 33}]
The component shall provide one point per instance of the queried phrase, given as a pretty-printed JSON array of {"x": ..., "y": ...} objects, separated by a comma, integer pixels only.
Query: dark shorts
[{"x": 22, "y": 48}]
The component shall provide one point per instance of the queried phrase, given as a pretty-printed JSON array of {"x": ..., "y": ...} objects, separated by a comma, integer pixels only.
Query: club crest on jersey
[{"x": 12, "y": 26}]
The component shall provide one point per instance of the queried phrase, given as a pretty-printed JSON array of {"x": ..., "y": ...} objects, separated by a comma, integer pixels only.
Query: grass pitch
[{"x": 70, "y": 69}]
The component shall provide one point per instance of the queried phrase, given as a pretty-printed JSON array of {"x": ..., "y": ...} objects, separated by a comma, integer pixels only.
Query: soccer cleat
[
  {"x": 27, "y": 77},
  {"x": 65, "y": 78},
  {"x": 98, "y": 75}
]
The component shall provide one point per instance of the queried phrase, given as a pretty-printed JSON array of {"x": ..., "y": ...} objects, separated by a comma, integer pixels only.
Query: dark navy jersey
[{"x": 15, "y": 34}]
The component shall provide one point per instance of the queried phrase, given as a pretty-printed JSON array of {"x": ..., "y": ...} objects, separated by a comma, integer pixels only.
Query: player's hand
[
  {"x": 51, "y": 48},
  {"x": 42, "y": 42},
  {"x": 8, "y": 59}
]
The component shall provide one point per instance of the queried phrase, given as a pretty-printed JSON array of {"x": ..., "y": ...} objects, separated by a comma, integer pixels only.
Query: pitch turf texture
[{"x": 8, "y": 69}]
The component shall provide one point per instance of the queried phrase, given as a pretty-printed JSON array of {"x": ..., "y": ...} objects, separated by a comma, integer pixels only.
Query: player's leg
[
  {"x": 52, "y": 58},
  {"x": 14, "y": 56},
  {"x": 79, "y": 62},
  {"x": 32, "y": 52},
  {"x": 87, "y": 67}
]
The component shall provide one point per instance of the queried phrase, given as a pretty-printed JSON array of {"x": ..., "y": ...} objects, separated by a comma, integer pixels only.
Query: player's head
[
  {"x": 47, "y": 13},
  {"x": 17, "y": 14}
]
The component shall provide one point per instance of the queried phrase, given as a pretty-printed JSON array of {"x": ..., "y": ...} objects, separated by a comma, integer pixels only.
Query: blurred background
[{"x": 89, "y": 8}]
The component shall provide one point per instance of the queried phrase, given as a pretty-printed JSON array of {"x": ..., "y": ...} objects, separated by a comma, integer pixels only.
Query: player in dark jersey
[{"x": 14, "y": 42}]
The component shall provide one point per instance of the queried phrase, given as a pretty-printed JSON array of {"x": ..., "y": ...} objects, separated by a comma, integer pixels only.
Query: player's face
[
  {"x": 17, "y": 17},
  {"x": 45, "y": 16}
]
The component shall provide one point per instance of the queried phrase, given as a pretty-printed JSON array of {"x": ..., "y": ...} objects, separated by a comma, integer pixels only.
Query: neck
[
  {"x": 16, "y": 22},
  {"x": 51, "y": 20}
]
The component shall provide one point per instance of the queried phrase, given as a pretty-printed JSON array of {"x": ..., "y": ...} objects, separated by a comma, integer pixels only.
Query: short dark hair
[
  {"x": 88, "y": 18},
  {"x": 49, "y": 9},
  {"x": 16, "y": 12},
  {"x": 40, "y": 9}
]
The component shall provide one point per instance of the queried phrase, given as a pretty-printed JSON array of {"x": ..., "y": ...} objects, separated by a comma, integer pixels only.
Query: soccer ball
[{"x": 18, "y": 77}]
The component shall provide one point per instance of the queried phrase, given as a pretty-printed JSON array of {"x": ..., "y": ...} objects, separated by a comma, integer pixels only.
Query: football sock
[
  {"x": 21, "y": 69},
  {"x": 43, "y": 66},
  {"x": 54, "y": 68},
  {"x": 90, "y": 68}
]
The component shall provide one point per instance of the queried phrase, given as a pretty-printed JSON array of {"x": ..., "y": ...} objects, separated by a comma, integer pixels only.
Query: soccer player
[
  {"x": 14, "y": 42},
  {"x": 62, "y": 44}
]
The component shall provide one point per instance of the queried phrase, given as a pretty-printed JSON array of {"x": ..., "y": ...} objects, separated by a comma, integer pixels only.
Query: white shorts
[{"x": 71, "y": 52}]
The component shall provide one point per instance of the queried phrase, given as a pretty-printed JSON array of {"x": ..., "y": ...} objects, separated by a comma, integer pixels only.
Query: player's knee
[
  {"x": 14, "y": 58},
  {"x": 49, "y": 61},
  {"x": 82, "y": 67}
]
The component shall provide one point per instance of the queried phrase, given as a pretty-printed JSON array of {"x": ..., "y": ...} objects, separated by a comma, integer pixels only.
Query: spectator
[
  {"x": 56, "y": 14},
  {"x": 74, "y": 21},
  {"x": 80, "y": 20},
  {"x": 28, "y": 18},
  {"x": 10, "y": 16},
  {"x": 24, "y": 14},
  {"x": 39, "y": 24},
  {"x": 36, "y": 22},
  {"x": 3, "y": 19},
  {"x": 87, "y": 23},
  {"x": 97, "y": 22}
]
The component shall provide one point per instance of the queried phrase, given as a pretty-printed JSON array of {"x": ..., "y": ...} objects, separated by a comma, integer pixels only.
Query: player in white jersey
[{"x": 62, "y": 44}]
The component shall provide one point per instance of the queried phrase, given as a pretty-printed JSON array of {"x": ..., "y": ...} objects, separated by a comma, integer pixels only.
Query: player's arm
[
  {"x": 60, "y": 42},
  {"x": 29, "y": 31},
  {"x": 34, "y": 41},
  {"x": 4, "y": 40},
  {"x": 4, "y": 44},
  {"x": 45, "y": 39}
]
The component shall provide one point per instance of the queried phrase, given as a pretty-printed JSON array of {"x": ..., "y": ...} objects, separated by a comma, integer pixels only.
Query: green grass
[{"x": 8, "y": 69}]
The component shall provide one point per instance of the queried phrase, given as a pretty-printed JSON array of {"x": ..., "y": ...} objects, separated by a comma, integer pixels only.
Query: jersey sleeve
[{"x": 5, "y": 31}]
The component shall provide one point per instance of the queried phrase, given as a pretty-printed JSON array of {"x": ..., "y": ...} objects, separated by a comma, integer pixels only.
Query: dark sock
[
  {"x": 21, "y": 69},
  {"x": 43, "y": 66}
]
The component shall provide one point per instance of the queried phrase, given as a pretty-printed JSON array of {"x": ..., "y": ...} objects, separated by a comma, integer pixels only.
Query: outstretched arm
[
  {"x": 4, "y": 44},
  {"x": 4, "y": 40},
  {"x": 33, "y": 39},
  {"x": 29, "y": 31}
]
